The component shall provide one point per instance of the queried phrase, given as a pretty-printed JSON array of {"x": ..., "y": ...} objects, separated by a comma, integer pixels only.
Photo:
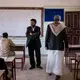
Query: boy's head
[{"x": 5, "y": 35}]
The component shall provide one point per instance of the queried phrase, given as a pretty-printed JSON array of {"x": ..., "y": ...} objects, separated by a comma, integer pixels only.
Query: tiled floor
[{"x": 38, "y": 74}]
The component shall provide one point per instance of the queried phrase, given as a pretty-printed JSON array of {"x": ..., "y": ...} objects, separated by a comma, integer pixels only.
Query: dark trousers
[{"x": 31, "y": 56}]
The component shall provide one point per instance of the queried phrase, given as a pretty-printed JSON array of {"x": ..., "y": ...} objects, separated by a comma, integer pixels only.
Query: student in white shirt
[{"x": 5, "y": 45}]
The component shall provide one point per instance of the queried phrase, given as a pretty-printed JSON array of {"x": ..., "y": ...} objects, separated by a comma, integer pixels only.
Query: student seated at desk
[{"x": 5, "y": 45}]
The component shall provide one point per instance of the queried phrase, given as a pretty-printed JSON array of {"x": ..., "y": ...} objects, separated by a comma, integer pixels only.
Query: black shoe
[
  {"x": 39, "y": 67},
  {"x": 31, "y": 68},
  {"x": 50, "y": 74},
  {"x": 57, "y": 77}
]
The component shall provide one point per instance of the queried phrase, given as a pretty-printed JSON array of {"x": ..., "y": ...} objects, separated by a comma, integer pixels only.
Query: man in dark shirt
[{"x": 34, "y": 44}]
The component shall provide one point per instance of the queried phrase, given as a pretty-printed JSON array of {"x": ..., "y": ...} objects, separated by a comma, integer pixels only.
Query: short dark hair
[
  {"x": 34, "y": 20},
  {"x": 5, "y": 35}
]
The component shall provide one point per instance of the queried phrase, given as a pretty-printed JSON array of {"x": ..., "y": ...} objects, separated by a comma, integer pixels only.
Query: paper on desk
[{"x": 5, "y": 58}]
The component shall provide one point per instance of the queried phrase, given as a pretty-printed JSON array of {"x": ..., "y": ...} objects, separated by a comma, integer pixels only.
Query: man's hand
[
  {"x": 30, "y": 34},
  {"x": 46, "y": 48},
  {"x": 66, "y": 50}
]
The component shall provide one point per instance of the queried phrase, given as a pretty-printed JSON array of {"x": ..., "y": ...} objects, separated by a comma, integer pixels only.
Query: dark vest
[
  {"x": 34, "y": 40},
  {"x": 53, "y": 42}
]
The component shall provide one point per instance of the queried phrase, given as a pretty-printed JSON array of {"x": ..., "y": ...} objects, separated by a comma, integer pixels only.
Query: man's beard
[{"x": 33, "y": 25}]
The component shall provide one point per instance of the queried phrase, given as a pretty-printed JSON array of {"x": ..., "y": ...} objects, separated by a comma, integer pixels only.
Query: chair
[
  {"x": 77, "y": 68},
  {"x": 69, "y": 58}
]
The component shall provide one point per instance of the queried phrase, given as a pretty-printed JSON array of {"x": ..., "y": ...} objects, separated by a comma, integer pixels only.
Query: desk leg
[
  {"x": 22, "y": 64},
  {"x": 75, "y": 70},
  {"x": 24, "y": 55},
  {"x": 4, "y": 76},
  {"x": 14, "y": 70},
  {"x": 23, "y": 59}
]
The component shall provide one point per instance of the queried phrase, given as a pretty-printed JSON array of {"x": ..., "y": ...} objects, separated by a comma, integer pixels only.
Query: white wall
[{"x": 39, "y": 3}]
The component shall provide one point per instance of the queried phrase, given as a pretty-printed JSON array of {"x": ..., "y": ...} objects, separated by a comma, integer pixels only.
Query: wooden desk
[
  {"x": 75, "y": 49},
  {"x": 12, "y": 67},
  {"x": 20, "y": 47},
  {"x": 2, "y": 75}
]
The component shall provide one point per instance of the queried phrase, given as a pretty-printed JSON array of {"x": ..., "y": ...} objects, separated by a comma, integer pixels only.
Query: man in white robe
[{"x": 54, "y": 42}]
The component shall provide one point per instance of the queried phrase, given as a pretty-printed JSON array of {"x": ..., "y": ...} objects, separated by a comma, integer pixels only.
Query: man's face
[
  {"x": 56, "y": 22},
  {"x": 33, "y": 23}
]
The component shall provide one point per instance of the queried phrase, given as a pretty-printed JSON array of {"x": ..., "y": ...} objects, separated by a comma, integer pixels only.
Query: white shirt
[{"x": 5, "y": 45}]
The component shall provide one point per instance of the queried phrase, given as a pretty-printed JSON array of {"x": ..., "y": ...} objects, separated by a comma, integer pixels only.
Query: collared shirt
[
  {"x": 5, "y": 45},
  {"x": 33, "y": 28}
]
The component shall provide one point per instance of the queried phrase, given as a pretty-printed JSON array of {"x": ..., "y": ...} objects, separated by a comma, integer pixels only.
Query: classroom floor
[{"x": 38, "y": 74}]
